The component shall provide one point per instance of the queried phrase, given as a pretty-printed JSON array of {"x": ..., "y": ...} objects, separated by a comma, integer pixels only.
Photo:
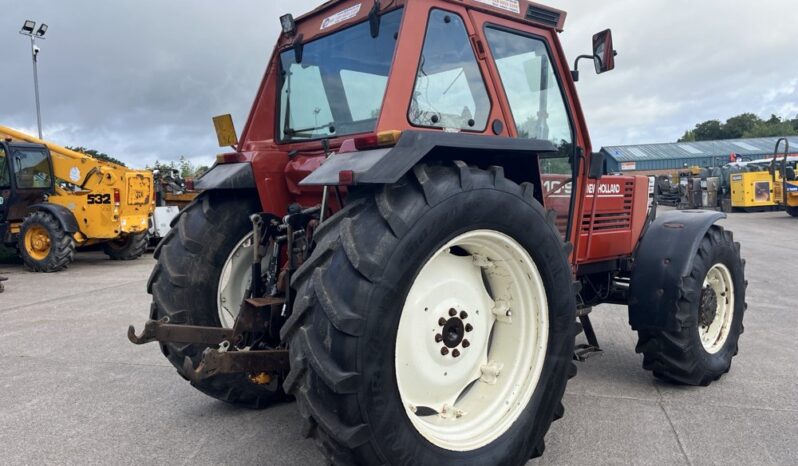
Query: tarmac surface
[{"x": 73, "y": 390}]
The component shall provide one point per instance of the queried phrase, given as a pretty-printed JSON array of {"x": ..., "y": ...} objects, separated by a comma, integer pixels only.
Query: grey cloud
[{"x": 141, "y": 79}]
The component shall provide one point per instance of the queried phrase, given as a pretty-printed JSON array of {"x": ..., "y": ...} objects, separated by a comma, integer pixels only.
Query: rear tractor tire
[
  {"x": 127, "y": 248},
  {"x": 434, "y": 323},
  {"x": 710, "y": 316},
  {"x": 200, "y": 279},
  {"x": 44, "y": 245}
]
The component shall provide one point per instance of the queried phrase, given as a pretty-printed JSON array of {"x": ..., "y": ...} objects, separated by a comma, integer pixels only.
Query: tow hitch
[
  {"x": 253, "y": 345},
  {"x": 234, "y": 353}
]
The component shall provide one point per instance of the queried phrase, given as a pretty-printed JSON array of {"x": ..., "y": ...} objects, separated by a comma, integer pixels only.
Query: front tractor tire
[
  {"x": 187, "y": 287},
  {"x": 127, "y": 248},
  {"x": 709, "y": 317},
  {"x": 434, "y": 323},
  {"x": 44, "y": 245}
]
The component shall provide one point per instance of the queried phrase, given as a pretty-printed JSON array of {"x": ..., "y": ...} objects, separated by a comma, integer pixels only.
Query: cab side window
[
  {"x": 31, "y": 169},
  {"x": 5, "y": 174},
  {"x": 539, "y": 111},
  {"x": 450, "y": 92},
  {"x": 532, "y": 88}
]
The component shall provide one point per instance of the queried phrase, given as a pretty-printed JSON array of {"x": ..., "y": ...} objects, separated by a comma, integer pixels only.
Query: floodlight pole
[
  {"x": 36, "y": 82},
  {"x": 35, "y": 57}
]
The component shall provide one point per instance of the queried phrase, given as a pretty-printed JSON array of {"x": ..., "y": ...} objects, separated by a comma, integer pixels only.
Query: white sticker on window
[
  {"x": 74, "y": 174},
  {"x": 509, "y": 5},
  {"x": 341, "y": 16}
]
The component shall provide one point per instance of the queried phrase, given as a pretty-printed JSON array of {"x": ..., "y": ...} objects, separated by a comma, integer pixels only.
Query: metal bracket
[{"x": 215, "y": 362}]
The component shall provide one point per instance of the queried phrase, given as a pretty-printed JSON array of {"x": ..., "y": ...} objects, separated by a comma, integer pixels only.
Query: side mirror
[
  {"x": 596, "y": 170},
  {"x": 603, "y": 52},
  {"x": 603, "y": 55}
]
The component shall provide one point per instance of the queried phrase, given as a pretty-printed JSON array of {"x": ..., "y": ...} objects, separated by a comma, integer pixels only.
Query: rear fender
[
  {"x": 227, "y": 176},
  {"x": 664, "y": 257},
  {"x": 65, "y": 216},
  {"x": 387, "y": 165}
]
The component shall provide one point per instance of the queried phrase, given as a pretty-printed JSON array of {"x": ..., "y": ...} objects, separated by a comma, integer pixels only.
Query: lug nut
[
  {"x": 466, "y": 343},
  {"x": 452, "y": 312},
  {"x": 463, "y": 315},
  {"x": 438, "y": 338},
  {"x": 469, "y": 327},
  {"x": 455, "y": 353},
  {"x": 441, "y": 321},
  {"x": 445, "y": 351}
]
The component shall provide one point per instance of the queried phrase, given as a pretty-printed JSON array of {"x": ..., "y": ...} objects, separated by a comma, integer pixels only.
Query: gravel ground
[{"x": 74, "y": 391}]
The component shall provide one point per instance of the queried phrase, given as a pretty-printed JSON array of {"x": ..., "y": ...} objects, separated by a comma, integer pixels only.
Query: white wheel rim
[
  {"x": 466, "y": 402},
  {"x": 234, "y": 281},
  {"x": 715, "y": 333}
]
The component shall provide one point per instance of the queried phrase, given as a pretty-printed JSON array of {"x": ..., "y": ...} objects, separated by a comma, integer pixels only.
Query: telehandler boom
[{"x": 53, "y": 200}]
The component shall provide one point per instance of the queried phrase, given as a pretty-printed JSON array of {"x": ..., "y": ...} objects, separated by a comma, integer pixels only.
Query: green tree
[
  {"x": 97, "y": 155},
  {"x": 737, "y": 127},
  {"x": 746, "y": 125},
  {"x": 183, "y": 165}
]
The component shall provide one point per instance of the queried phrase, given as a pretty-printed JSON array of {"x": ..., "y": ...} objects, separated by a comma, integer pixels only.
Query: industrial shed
[{"x": 673, "y": 156}]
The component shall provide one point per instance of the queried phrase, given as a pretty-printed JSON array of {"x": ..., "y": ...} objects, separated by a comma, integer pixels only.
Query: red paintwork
[{"x": 277, "y": 177}]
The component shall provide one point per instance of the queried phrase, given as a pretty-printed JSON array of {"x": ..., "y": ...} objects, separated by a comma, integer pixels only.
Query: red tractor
[{"x": 409, "y": 230}]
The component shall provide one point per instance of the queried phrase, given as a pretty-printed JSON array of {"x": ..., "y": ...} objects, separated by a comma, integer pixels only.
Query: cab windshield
[
  {"x": 338, "y": 87},
  {"x": 31, "y": 168}
]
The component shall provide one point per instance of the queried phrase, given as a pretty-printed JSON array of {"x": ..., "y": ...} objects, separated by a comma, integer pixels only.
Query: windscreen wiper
[{"x": 297, "y": 132}]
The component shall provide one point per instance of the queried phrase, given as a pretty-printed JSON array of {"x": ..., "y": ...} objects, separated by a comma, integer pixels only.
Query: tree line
[
  {"x": 186, "y": 168},
  {"x": 747, "y": 125}
]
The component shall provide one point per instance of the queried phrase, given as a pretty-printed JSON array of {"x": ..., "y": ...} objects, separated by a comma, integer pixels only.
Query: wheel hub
[
  {"x": 716, "y": 308},
  {"x": 37, "y": 242},
  {"x": 471, "y": 340},
  {"x": 454, "y": 330},
  {"x": 708, "y": 308}
]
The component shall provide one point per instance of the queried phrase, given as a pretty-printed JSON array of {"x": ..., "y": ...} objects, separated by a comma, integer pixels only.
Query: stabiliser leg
[{"x": 584, "y": 351}]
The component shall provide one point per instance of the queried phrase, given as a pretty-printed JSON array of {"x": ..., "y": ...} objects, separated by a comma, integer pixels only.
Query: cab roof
[{"x": 523, "y": 10}]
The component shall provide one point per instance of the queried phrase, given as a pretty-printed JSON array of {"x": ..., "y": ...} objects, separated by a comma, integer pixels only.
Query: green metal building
[{"x": 674, "y": 156}]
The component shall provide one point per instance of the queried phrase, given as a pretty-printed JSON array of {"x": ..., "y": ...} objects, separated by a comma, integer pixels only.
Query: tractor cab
[{"x": 26, "y": 178}]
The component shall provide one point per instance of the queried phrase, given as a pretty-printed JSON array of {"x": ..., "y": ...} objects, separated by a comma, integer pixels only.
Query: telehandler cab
[{"x": 409, "y": 229}]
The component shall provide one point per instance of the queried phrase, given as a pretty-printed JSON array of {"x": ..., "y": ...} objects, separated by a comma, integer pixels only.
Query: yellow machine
[
  {"x": 786, "y": 186},
  {"x": 53, "y": 200},
  {"x": 753, "y": 190}
]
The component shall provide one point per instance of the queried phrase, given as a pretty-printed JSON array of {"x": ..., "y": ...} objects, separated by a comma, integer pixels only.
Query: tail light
[
  {"x": 375, "y": 141},
  {"x": 117, "y": 197}
]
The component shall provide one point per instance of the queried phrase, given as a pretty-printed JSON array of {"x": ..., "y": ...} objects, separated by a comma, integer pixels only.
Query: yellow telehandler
[{"x": 53, "y": 200}]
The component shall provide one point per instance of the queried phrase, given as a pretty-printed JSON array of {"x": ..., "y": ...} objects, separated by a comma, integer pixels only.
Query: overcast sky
[{"x": 141, "y": 79}]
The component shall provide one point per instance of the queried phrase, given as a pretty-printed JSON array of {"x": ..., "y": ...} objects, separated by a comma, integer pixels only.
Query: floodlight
[
  {"x": 28, "y": 26},
  {"x": 42, "y": 30},
  {"x": 288, "y": 23}
]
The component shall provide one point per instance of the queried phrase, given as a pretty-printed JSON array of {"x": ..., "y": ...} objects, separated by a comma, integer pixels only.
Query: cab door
[
  {"x": 535, "y": 91},
  {"x": 31, "y": 174},
  {"x": 5, "y": 184}
]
